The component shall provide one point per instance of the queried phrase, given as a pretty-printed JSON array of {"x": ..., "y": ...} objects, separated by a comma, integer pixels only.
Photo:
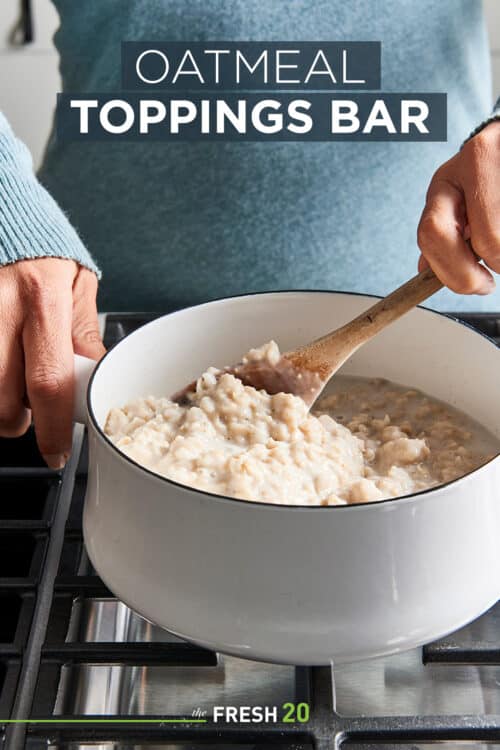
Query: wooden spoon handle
[
  {"x": 328, "y": 353},
  {"x": 392, "y": 307}
]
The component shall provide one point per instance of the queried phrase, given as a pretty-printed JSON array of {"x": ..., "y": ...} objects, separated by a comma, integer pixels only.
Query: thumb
[{"x": 86, "y": 334}]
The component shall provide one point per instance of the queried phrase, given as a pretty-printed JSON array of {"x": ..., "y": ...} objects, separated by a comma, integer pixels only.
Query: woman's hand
[
  {"x": 460, "y": 224},
  {"x": 47, "y": 312}
]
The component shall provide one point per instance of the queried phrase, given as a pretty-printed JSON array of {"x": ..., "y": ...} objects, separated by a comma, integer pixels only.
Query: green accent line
[{"x": 103, "y": 721}]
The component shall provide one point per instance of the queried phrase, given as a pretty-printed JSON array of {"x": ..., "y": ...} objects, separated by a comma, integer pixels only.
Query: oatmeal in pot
[{"x": 366, "y": 440}]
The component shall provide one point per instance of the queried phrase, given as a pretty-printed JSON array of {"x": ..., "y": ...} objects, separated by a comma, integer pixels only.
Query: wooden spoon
[{"x": 305, "y": 371}]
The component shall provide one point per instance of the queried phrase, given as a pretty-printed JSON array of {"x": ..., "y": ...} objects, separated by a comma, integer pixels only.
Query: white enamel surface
[
  {"x": 297, "y": 585},
  {"x": 84, "y": 367}
]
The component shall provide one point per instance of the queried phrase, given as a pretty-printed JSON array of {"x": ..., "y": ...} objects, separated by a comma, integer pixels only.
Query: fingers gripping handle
[{"x": 84, "y": 367}]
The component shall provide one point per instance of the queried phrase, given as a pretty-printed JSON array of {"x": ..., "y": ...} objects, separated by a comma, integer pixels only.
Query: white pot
[{"x": 296, "y": 585}]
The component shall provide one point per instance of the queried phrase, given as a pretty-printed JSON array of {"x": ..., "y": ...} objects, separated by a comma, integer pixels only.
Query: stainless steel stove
[{"x": 79, "y": 670}]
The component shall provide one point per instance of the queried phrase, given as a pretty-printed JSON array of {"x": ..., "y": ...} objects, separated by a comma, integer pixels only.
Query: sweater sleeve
[
  {"x": 32, "y": 225},
  {"x": 494, "y": 117}
]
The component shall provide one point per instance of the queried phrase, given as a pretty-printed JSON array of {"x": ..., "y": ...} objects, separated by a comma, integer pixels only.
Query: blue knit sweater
[{"x": 173, "y": 224}]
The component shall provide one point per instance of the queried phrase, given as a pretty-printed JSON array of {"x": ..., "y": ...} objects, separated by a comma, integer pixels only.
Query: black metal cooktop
[{"x": 70, "y": 652}]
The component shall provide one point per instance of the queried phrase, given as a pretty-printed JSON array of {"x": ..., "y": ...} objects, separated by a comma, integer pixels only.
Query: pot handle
[{"x": 84, "y": 367}]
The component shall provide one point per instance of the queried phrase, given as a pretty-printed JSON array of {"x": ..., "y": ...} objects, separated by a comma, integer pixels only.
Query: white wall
[{"x": 30, "y": 73}]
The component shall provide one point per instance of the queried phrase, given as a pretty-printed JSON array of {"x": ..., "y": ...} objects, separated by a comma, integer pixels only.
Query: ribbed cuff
[
  {"x": 31, "y": 223},
  {"x": 494, "y": 117}
]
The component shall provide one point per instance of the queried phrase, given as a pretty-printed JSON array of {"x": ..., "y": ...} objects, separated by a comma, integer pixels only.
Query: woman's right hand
[{"x": 47, "y": 312}]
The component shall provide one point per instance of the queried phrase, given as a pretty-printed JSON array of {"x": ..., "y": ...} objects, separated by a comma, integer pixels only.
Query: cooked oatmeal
[{"x": 365, "y": 440}]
